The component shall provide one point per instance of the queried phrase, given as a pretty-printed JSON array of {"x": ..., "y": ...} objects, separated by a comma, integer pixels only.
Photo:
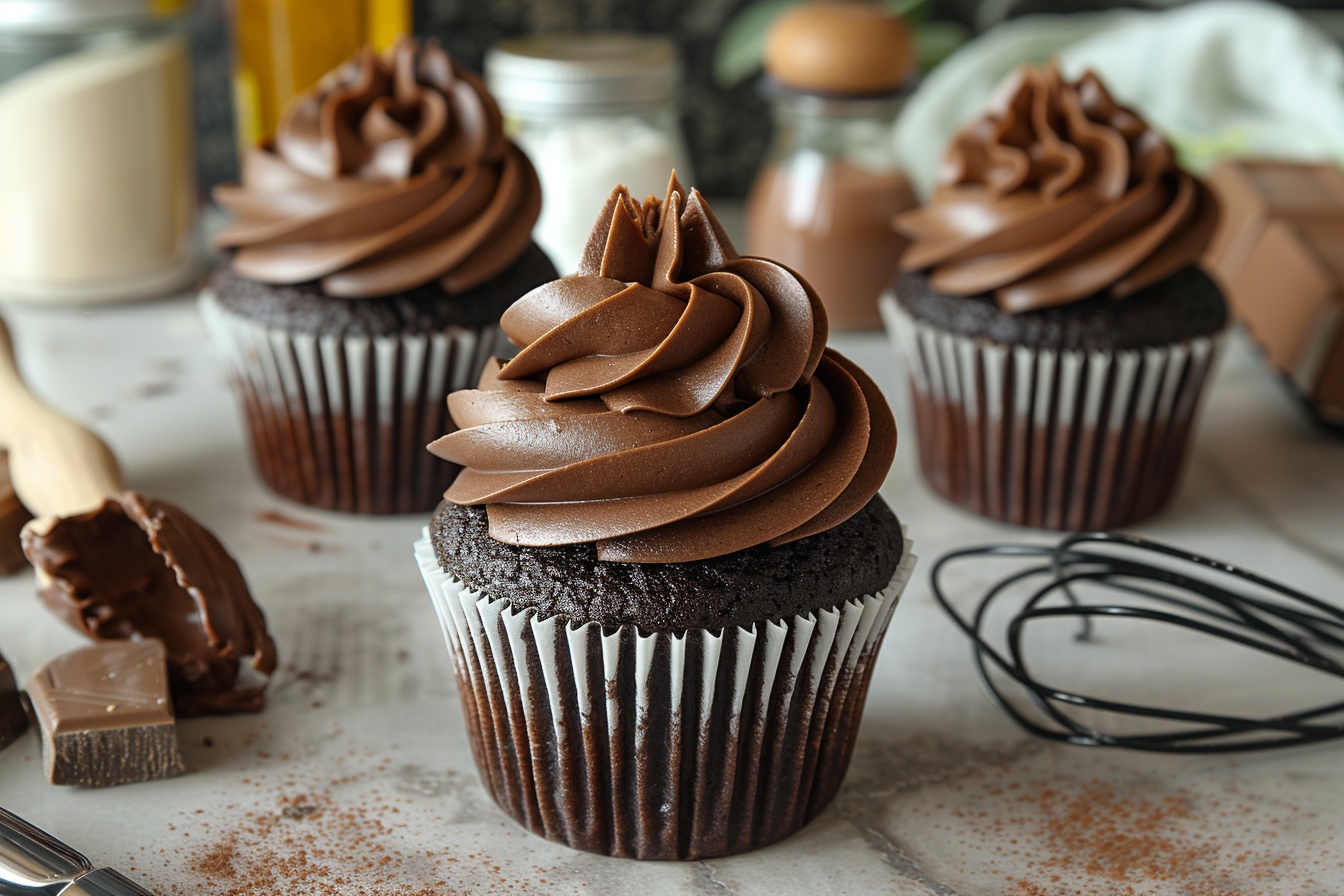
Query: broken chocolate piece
[
  {"x": 13, "y": 717},
  {"x": 12, "y": 517},
  {"x": 1279, "y": 255},
  {"x": 140, "y": 567},
  {"x": 106, "y": 716}
]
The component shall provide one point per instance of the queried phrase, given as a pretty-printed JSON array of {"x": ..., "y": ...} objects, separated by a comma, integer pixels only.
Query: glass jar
[
  {"x": 282, "y": 47},
  {"x": 97, "y": 175},
  {"x": 824, "y": 198},
  {"x": 591, "y": 111}
]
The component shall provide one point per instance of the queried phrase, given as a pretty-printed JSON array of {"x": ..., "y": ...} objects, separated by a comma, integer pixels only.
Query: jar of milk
[
  {"x": 97, "y": 178},
  {"x": 591, "y": 111}
]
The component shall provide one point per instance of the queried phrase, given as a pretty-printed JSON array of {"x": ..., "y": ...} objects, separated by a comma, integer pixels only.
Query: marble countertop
[{"x": 358, "y": 779}]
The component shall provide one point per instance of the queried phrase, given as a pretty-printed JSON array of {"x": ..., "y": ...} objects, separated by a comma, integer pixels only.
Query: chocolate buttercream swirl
[
  {"x": 388, "y": 174},
  {"x": 1058, "y": 193},
  {"x": 672, "y": 402}
]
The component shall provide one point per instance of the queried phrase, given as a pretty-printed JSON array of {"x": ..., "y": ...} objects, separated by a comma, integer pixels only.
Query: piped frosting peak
[
  {"x": 390, "y": 173},
  {"x": 1058, "y": 193},
  {"x": 672, "y": 402}
]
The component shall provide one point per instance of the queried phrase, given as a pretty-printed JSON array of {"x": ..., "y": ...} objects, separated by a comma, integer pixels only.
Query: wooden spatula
[{"x": 58, "y": 467}]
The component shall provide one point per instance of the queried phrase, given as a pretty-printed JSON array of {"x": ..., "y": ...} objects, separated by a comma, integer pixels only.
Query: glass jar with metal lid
[
  {"x": 96, "y": 166},
  {"x": 591, "y": 111},
  {"x": 823, "y": 201}
]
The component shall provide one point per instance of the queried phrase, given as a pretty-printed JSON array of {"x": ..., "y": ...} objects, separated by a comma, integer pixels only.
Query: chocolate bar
[
  {"x": 106, "y": 715},
  {"x": 1279, "y": 256},
  {"x": 13, "y": 717}
]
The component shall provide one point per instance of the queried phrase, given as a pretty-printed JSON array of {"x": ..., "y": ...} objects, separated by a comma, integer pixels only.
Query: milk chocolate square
[
  {"x": 13, "y": 717},
  {"x": 1279, "y": 255},
  {"x": 106, "y": 716}
]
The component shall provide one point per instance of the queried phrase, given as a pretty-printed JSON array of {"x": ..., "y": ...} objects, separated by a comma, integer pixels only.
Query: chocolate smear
[
  {"x": 12, "y": 517},
  {"x": 140, "y": 568},
  {"x": 106, "y": 716},
  {"x": 13, "y": 718}
]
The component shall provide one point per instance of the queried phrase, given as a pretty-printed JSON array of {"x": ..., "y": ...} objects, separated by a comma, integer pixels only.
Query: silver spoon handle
[{"x": 34, "y": 863}]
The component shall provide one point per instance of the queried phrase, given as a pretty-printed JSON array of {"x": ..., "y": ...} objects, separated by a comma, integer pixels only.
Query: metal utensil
[{"x": 34, "y": 863}]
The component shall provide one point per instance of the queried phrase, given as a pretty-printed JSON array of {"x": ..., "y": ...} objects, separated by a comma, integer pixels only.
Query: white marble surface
[{"x": 945, "y": 796}]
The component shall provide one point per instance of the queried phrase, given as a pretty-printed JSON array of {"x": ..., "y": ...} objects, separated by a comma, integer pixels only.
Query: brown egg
[{"x": 840, "y": 47}]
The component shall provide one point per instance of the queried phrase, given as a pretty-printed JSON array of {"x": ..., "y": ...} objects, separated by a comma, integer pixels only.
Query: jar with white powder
[
  {"x": 97, "y": 179},
  {"x": 591, "y": 111}
]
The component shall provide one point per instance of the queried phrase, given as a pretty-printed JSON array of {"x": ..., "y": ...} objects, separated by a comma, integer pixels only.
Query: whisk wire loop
[{"x": 1211, "y": 599}]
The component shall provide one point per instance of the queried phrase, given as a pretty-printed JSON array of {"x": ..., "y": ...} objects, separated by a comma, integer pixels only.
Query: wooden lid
[{"x": 841, "y": 47}]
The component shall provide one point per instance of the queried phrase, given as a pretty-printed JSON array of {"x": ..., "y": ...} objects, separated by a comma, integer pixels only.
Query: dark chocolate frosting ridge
[{"x": 672, "y": 402}]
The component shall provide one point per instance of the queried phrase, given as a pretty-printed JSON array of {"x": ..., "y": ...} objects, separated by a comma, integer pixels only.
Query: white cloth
[{"x": 1220, "y": 78}]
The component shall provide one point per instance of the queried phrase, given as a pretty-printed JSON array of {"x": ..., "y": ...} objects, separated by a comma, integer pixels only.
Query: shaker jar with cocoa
[{"x": 822, "y": 203}]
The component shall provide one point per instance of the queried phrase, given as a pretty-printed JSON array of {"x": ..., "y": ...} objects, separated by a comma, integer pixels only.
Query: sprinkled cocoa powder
[
  {"x": 339, "y": 836},
  {"x": 1067, "y": 837},
  {"x": 310, "y": 844},
  {"x": 1121, "y": 839}
]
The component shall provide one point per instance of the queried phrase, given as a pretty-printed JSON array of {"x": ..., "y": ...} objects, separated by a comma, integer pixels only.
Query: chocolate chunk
[
  {"x": 106, "y": 716},
  {"x": 1279, "y": 253},
  {"x": 13, "y": 717},
  {"x": 12, "y": 517},
  {"x": 139, "y": 567}
]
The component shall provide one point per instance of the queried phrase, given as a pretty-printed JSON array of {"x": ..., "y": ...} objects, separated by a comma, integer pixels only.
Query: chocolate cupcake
[
  {"x": 664, "y": 572},
  {"x": 1057, "y": 331},
  {"x": 375, "y": 244}
]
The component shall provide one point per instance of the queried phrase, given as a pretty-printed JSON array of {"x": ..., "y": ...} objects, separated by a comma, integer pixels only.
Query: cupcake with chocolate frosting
[
  {"x": 375, "y": 243},
  {"x": 1057, "y": 328},
  {"x": 664, "y": 570}
]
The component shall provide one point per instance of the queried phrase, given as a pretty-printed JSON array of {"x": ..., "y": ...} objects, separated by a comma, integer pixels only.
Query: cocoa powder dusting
[
  {"x": 1082, "y": 838},
  {"x": 316, "y": 843},
  {"x": 313, "y": 845}
]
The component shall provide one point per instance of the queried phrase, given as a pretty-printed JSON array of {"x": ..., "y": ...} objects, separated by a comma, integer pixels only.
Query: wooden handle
[{"x": 58, "y": 467}]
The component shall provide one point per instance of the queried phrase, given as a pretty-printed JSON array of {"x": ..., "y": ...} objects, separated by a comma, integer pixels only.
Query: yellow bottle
[{"x": 282, "y": 47}]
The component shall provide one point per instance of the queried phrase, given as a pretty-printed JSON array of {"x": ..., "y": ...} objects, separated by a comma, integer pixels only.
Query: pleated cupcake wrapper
[
  {"x": 1057, "y": 439},
  {"x": 342, "y": 422},
  {"x": 660, "y": 746}
]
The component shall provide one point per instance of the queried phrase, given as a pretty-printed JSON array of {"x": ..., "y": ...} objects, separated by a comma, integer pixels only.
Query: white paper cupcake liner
[
  {"x": 1057, "y": 439},
  {"x": 342, "y": 422},
  {"x": 660, "y": 746}
]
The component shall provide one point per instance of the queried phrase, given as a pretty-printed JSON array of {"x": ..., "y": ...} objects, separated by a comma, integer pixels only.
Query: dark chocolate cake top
[
  {"x": 1184, "y": 306},
  {"x": 855, "y": 558},
  {"x": 426, "y": 309},
  {"x": 1056, "y": 194},
  {"x": 674, "y": 401}
]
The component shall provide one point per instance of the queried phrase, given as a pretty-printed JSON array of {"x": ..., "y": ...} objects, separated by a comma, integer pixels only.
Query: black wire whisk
[{"x": 1174, "y": 587}]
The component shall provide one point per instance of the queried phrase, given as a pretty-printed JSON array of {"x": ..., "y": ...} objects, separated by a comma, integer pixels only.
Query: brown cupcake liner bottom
[
  {"x": 660, "y": 746},
  {"x": 342, "y": 422},
  {"x": 1056, "y": 439}
]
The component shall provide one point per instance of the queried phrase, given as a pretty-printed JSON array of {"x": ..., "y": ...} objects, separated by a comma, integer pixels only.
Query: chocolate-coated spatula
[{"x": 117, "y": 564}]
